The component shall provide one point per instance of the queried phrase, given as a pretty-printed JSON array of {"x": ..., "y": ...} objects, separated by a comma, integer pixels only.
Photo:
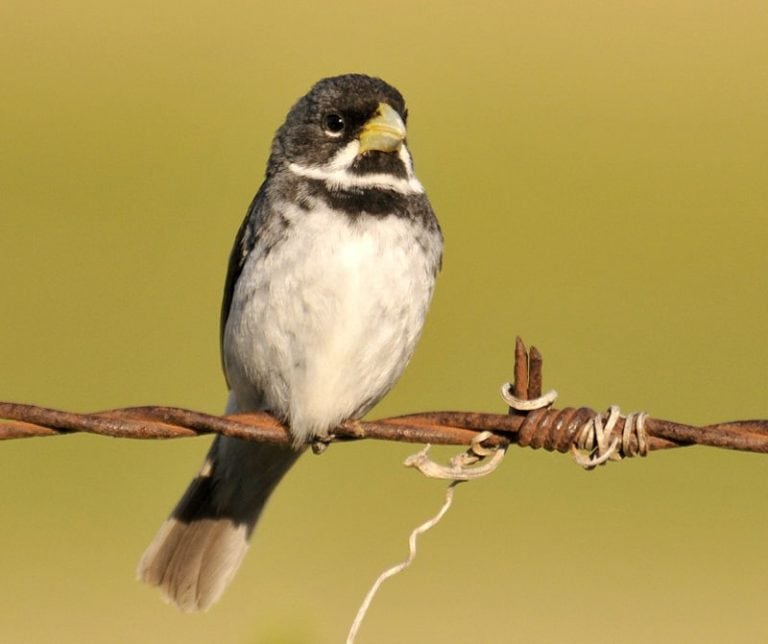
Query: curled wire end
[
  {"x": 524, "y": 404},
  {"x": 461, "y": 467}
]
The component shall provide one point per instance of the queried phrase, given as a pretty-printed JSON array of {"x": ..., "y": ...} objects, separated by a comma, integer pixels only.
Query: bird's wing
[{"x": 245, "y": 241}]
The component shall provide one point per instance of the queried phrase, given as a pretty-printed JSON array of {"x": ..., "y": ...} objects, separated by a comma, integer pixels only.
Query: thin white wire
[{"x": 390, "y": 572}]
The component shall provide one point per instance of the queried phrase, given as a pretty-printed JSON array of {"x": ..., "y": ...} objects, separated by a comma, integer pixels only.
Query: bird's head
[{"x": 350, "y": 132}]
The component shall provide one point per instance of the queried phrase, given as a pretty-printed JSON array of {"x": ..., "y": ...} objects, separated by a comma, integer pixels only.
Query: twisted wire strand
[{"x": 551, "y": 429}]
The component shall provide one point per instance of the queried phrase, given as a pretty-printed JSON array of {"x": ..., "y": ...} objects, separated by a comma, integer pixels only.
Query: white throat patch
[{"x": 336, "y": 173}]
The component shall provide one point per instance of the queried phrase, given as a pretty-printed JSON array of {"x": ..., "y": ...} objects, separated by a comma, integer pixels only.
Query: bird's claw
[{"x": 320, "y": 443}]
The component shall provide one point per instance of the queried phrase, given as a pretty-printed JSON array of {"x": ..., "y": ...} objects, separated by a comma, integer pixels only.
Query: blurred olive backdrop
[{"x": 600, "y": 172}]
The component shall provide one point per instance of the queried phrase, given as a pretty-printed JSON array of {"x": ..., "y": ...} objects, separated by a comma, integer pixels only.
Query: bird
[{"x": 327, "y": 289}]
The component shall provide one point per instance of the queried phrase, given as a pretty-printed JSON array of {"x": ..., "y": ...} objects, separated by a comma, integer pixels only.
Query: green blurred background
[{"x": 600, "y": 171}]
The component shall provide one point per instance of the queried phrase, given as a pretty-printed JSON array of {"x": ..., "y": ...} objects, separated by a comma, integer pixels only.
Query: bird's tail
[{"x": 200, "y": 546}]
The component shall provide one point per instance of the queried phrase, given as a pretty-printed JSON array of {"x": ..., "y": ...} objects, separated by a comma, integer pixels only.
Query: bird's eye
[{"x": 333, "y": 124}]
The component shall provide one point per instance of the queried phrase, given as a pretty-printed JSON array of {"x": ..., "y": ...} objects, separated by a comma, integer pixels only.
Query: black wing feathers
[{"x": 245, "y": 241}]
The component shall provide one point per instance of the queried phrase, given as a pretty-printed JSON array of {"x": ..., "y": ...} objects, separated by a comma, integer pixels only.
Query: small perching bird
[{"x": 329, "y": 282}]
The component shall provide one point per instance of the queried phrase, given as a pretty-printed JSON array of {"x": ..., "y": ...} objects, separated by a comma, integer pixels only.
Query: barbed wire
[{"x": 560, "y": 430}]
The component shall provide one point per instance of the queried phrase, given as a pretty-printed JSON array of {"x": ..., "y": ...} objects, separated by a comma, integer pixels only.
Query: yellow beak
[{"x": 384, "y": 131}]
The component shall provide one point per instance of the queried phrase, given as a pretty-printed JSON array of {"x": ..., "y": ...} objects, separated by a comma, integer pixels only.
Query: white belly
[{"x": 323, "y": 324}]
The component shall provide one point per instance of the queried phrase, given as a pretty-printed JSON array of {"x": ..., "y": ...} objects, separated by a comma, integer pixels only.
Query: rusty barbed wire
[{"x": 548, "y": 428}]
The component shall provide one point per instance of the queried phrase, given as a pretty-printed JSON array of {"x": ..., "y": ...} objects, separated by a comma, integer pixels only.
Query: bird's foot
[{"x": 321, "y": 441}]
